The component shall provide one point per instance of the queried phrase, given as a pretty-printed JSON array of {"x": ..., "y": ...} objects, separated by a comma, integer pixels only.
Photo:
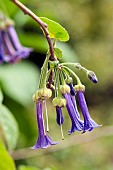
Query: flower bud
[
  {"x": 58, "y": 101},
  {"x": 91, "y": 75},
  {"x": 79, "y": 88},
  {"x": 64, "y": 89},
  {"x": 44, "y": 93}
]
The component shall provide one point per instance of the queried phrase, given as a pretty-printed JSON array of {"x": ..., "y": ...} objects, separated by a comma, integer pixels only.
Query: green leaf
[
  {"x": 23, "y": 167},
  {"x": 9, "y": 127},
  {"x": 19, "y": 81},
  {"x": 58, "y": 53},
  {"x": 56, "y": 31},
  {"x": 1, "y": 96},
  {"x": 6, "y": 162}
]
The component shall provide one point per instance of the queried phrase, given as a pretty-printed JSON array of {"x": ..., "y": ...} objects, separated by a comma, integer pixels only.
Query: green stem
[
  {"x": 62, "y": 78},
  {"x": 77, "y": 65},
  {"x": 73, "y": 64},
  {"x": 56, "y": 80},
  {"x": 44, "y": 70},
  {"x": 77, "y": 78}
]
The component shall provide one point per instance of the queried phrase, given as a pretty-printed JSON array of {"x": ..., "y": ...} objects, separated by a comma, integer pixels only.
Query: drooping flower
[
  {"x": 59, "y": 102},
  {"x": 72, "y": 94},
  {"x": 10, "y": 48},
  {"x": 43, "y": 140},
  {"x": 77, "y": 124},
  {"x": 89, "y": 123},
  {"x": 23, "y": 52}
]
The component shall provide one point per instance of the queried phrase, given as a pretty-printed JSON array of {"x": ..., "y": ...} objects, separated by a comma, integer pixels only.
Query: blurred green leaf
[
  {"x": 56, "y": 31},
  {"x": 1, "y": 96},
  {"x": 23, "y": 167},
  {"x": 19, "y": 81},
  {"x": 9, "y": 127},
  {"x": 69, "y": 54},
  {"x": 6, "y": 162},
  {"x": 38, "y": 42},
  {"x": 58, "y": 53}
]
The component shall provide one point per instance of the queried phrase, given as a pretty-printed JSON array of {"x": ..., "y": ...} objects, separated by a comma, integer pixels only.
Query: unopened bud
[{"x": 91, "y": 75}]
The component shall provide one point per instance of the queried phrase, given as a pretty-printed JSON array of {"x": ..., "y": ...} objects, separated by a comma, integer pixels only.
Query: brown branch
[
  {"x": 50, "y": 81},
  {"x": 73, "y": 140},
  {"x": 40, "y": 22}
]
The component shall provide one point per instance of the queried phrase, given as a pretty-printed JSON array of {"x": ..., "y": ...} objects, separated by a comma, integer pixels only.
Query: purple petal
[
  {"x": 60, "y": 118},
  {"x": 77, "y": 124},
  {"x": 89, "y": 123},
  {"x": 72, "y": 91}
]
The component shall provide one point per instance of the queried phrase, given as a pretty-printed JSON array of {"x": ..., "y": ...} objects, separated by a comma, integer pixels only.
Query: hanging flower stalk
[{"x": 56, "y": 76}]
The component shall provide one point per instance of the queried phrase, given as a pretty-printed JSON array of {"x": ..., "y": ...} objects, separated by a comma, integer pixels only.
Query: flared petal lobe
[{"x": 89, "y": 123}]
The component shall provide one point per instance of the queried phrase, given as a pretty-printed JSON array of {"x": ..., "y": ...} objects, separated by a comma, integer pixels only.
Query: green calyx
[
  {"x": 79, "y": 87},
  {"x": 43, "y": 94},
  {"x": 69, "y": 80},
  {"x": 64, "y": 89},
  {"x": 58, "y": 101},
  {"x": 4, "y": 23}
]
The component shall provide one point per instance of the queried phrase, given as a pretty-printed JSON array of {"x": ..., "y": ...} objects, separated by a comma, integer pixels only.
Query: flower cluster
[
  {"x": 65, "y": 96},
  {"x": 11, "y": 49}
]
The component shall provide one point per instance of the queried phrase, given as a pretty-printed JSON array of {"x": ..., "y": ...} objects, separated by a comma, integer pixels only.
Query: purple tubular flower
[
  {"x": 10, "y": 48},
  {"x": 23, "y": 52},
  {"x": 44, "y": 140},
  {"x": 89, "y": 123},
  {"x": 60, "y": 118},
  {"x": 77, "y": 124},
  {"x": 72, "y": 94},
  {"x": 9, "y": 52}
]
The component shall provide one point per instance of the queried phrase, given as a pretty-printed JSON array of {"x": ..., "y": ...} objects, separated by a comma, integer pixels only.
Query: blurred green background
[{"x": 90, "y": 26}]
